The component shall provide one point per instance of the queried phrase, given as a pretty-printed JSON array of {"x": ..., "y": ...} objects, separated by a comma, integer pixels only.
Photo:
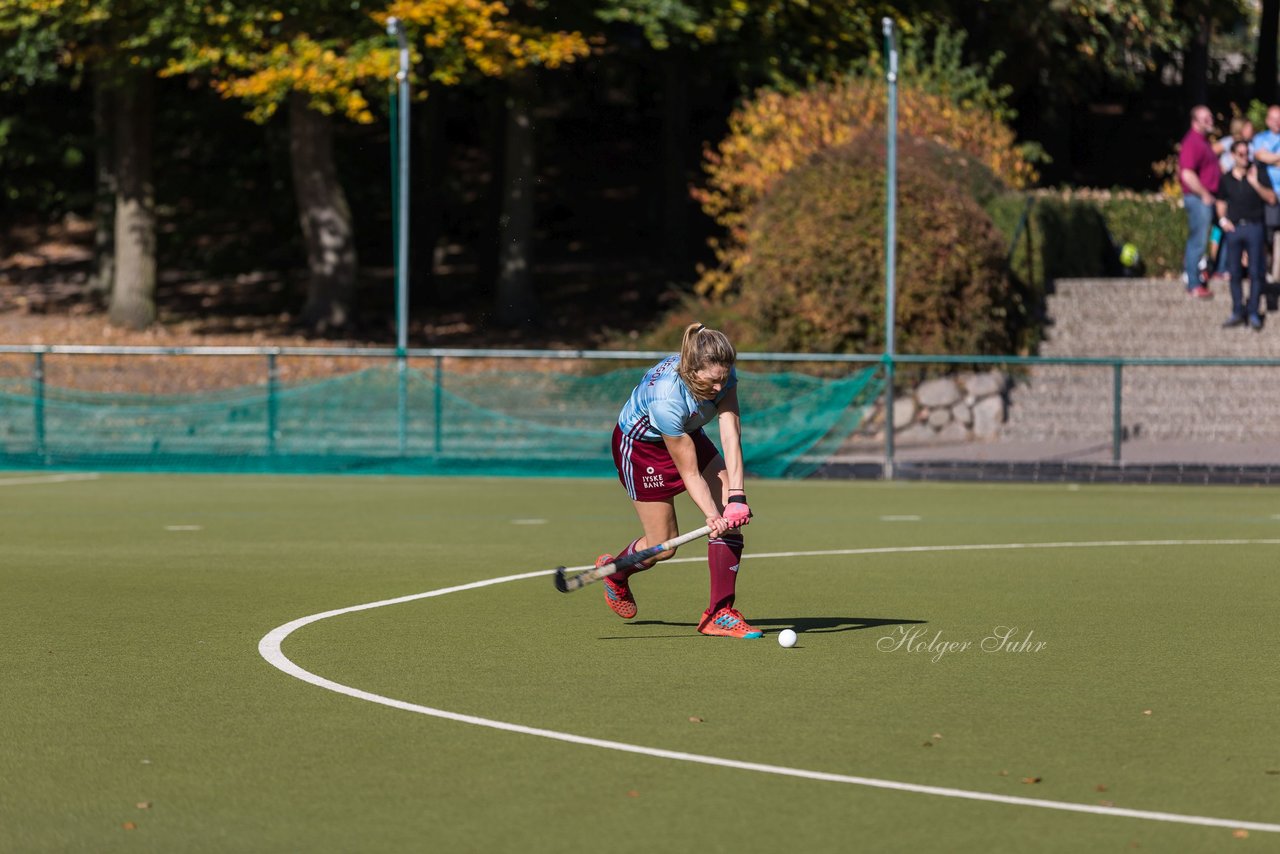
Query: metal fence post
[
  {"x": 888, "y": 416},
  {"x": 439, "y": 404},
  {"x": 890, "y": 236},
  {"x": 1117, "y": 429},
  {"x": 37, "y": 378},
  {"x": 402, "y": 403},
  {"x": 273, "y": 403}
]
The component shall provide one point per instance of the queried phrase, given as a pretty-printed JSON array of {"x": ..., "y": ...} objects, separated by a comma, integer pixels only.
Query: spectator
[
  {"x": 1240, "y": 130},
  {"x": 1243, "y": 195},
  {"x": 1266, "y": 150},
  {"x": 1199, "y": 175}
]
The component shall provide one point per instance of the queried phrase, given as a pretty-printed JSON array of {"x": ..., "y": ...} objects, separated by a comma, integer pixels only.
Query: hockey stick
[{"x": 582, "y": 579}]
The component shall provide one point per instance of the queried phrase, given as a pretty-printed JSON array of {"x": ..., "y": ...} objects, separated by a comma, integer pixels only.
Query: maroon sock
[
  {"x": 623, "y": 574},
  {"x": 723, "y": 556}
]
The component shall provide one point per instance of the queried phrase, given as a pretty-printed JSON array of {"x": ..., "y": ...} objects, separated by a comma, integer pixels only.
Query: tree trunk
[
  {"x": 675, "y": 135},
  {"x": 133, "y": 295},
  {"x": 1195, "y": 62},
  {"x": 105, "y": 102},
  {"x": 1267, "y": 70},
  {"x": 516, "y": 302},
  {"x": 428, "y": 187},
  {"x": 325, "y": 217},
  {"x": 492, "y": 200}
]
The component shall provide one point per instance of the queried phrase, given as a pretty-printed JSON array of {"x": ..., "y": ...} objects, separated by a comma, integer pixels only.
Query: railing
[
  {"x": 1117, "y": 364},
  {"x": 271, "y": 356}
]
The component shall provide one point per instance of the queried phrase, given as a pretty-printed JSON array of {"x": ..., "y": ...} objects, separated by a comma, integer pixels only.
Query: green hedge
[
  {"x": 1155, "y": 224},
  {"x": 1078, "y": 233}
]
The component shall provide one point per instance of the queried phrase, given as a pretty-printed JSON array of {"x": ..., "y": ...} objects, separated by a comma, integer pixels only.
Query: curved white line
[{"x": 269, "y": 649}]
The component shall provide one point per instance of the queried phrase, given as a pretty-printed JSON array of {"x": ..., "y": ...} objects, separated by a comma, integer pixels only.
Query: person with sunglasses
[{"x": 1243, "y": 194}]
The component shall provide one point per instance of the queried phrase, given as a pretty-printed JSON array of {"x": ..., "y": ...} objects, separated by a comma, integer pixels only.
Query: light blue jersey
[
  {"x": 662, "y": 404},
  {"x": 1268, "y": 140}
]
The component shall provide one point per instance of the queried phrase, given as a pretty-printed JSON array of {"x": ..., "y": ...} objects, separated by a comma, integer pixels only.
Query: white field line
[
  {"x": 46, "y": 478},
  {"x": 269, "y": 649}
]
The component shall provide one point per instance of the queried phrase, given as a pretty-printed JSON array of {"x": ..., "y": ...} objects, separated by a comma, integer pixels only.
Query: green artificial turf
[{"x": 131, "y": 609}]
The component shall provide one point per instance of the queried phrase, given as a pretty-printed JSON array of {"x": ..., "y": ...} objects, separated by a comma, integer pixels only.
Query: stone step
[
  {"x": 1147, "y": 318},
  {"x": 1070, "y": 424},
  {"x": 1097, "y": 302},
  {"x": 1101, "y": 435},
  {"x": 1202, "y": 393},
  {"x": 1044, "y": 419},
  {"x": 1155, "y": 348},
  {"x": 1202, "y": 322},
  {"x": 1060, "y": 371}
]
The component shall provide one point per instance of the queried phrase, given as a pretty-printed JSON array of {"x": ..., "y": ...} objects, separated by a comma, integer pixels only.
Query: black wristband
[{"x": 738, "y": 499}]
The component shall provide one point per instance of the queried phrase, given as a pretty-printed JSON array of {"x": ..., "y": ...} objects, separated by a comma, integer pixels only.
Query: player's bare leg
[{"x": 658, "y": 520}]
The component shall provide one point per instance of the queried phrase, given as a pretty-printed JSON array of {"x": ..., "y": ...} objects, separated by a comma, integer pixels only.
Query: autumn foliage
[{"x": 259, "y": 53}]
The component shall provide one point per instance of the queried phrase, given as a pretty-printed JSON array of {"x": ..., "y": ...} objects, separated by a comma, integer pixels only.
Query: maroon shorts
[{"x": 646, "y": 469}]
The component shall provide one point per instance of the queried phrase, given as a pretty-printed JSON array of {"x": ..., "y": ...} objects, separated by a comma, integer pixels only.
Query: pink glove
[{"x": 737, "y": 513}]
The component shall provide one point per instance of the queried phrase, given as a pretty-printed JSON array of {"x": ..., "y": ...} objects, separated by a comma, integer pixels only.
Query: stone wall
[{"x": 958, "y": 408}]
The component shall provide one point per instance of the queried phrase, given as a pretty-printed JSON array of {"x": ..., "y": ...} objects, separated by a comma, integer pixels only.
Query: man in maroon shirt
[{"x": 1199, "y": 175}]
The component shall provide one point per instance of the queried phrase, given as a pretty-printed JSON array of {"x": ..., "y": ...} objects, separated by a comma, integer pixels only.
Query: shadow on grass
[{"x": 774, "y": 624}]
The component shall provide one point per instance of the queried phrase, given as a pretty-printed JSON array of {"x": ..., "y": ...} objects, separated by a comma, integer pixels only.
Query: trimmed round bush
[{"x": 815, "y": 280}]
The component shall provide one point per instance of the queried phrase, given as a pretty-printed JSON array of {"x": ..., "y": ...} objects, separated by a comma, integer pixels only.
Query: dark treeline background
[{"x": 619, "y": 138}]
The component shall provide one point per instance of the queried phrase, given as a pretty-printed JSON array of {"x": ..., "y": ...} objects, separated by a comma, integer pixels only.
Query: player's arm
[
  {"x": 685, "y": 455},
  {"x": 1192, "y": 180},
  {"x": 730, "y": 418},
  {"x": 731, "y": 438}
]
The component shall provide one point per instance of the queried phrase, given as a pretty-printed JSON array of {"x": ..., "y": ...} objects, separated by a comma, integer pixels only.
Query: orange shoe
[
  {"x": 617, "y": 596},
  {"x": 728, "y": 623}
]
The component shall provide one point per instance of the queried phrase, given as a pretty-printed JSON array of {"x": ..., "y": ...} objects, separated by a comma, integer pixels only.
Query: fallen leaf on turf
[
  {"x": 143, "y": 805},
  {"x": 1240, "y": 834},
  {"x": 694, "y": 719},
  {"x": 128, "y": 825},
  {"x": 1099, "y": 788},
  {"x": 1032, "y": 779},
  {"x": 1004, "y": 773},
  {"x": 1106, "y": 803},
  {"x": 633, "y": 794}
]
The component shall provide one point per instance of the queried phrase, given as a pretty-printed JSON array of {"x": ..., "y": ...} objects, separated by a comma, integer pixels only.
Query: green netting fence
[{"x": 405, "y": 418}]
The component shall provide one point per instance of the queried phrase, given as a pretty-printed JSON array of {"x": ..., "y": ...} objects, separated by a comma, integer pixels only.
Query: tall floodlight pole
[
  {"x": 400, "y": 222},
  {"x": 890, "y": 240}
]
